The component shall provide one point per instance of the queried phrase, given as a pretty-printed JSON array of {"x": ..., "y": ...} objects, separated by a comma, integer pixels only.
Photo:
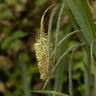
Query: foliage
[{"x": 70, "y": 29}]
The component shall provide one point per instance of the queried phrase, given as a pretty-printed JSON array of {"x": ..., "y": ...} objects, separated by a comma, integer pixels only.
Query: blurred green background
[{"x": 19, "y": 27}]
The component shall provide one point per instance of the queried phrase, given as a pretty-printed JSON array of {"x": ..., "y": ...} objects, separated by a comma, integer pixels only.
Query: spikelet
[
  {"x": 41, "y": 48},
  {"x": 42, "y": 56}
]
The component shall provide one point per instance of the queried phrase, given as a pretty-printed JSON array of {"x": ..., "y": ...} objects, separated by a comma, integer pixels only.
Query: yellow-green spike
[{"x": 41, "y": 48}]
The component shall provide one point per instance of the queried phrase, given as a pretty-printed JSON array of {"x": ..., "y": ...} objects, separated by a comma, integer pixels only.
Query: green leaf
[
  {"x": 16, "y": 45},
  {"x": 24, "y": 77},
  {"x": 82, "y": 14},
  {"x": 18, "y": 35},
  {"x": 5, "y": 12},
  {"x": 15, "y": 36},
  {"x": 50, "y": 92}
]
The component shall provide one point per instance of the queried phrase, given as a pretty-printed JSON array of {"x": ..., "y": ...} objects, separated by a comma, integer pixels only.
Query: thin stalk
[
  {"x": 50, "y": 92},
  {"x": 58, "y": 29},
  {"x": 70, "y": 76},
  {"x": 70, "y": 71},
  {"x": 49, "y": 34},
  {"x": 58, "y": 61},
  {"x": 63, "y": 39},
  {"x": 24, "y": 78},
  {"x": 93, "y": 67},
  {"x": 42, "y": 21},
  {"x": 87, "y": 73}
]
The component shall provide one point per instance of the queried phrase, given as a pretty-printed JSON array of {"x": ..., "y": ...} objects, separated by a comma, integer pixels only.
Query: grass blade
[
  {"x": 58, "y": 82},
  {"x": 58, "y": 62},
  {"x": 93, "y": 67},
  {"x": 50, "y": 92},
  {"x": 64, "y": 39},
  {"x": 87, "y": 74},
  {"x": 57, "y": 30},
  {"x": 24, "y": 77},
  {"x": 49, "y": 34},
  {"x": 70, "y": 76},
  {"x": 81, "y": 12}
]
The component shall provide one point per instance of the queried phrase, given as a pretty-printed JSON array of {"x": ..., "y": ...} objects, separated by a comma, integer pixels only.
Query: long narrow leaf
[
  {"x": 81, "y": 12},
  {"x": 50, "y": 92}
]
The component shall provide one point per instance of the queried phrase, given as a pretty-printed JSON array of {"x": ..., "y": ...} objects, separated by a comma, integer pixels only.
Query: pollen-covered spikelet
[
  {"x": 42, "y": 56},
  {"x": 41, "y": 49}
]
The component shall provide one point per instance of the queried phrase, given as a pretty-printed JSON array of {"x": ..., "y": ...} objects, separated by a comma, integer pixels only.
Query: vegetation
[{"x": 47, "y": 47}]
